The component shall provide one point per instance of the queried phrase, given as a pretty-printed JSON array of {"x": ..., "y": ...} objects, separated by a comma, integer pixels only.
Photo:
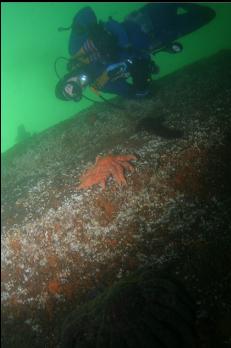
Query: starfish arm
[
  {"x": 86, "y": 183},
  {"x": 103, "y": 183},
  {"x": 127, "y": 166},
  {"x": 89, "y": 178},
  {"x": 125, "y": 158},
  {"x": 104, "y": 167},
  {"x": 88, "y": 172},
  {"x": 118, "y": 174}
]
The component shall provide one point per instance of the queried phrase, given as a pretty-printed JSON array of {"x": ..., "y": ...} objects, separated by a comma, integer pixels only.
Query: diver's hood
[{"x": 84, "y": 18}]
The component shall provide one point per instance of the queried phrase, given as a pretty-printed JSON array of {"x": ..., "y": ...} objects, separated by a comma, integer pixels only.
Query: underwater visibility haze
[
  {"x": 116, "y": 220},
  {"x": 31, "y": 43}
]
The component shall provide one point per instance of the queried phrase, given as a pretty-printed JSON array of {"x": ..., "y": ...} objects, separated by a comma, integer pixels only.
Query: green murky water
[{"x": 31, "y": 43}]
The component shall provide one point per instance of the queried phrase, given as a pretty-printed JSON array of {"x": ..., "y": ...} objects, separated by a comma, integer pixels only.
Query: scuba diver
[{"x": 104, "y": 55}]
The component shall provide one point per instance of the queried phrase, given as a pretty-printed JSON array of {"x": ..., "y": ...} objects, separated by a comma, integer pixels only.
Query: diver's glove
[
  {"x": 173, "y": 47},
  {"x": 141, "y": 70},
  {"x": 73, "y": 64},
  {"x": 118, "y": 70}
]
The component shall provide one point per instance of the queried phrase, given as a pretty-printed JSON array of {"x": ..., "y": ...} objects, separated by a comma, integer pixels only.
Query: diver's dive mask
[
  {"x": 72, "y": 91},
  {"x": 70, "y": 87}
]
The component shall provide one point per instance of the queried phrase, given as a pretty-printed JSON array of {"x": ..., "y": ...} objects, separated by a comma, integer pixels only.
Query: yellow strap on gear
[
  {"x": 101, "y": 80},
  {"x": 95, "y": 90},
  {"x": 81, "y": 56}
]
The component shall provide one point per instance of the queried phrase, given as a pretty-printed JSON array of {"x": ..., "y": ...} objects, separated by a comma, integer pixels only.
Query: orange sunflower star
[{"x": 105, "y": 167}]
